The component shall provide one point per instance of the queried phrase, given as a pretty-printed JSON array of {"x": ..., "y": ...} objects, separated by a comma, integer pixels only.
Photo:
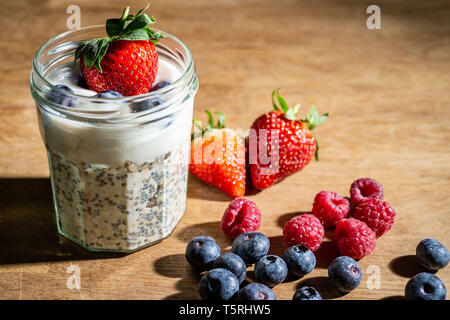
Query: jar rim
[{"x": 188, "y": 70}]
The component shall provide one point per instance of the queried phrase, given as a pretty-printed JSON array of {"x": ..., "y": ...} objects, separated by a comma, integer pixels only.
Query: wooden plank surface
[{"x": 387, "y": 92}]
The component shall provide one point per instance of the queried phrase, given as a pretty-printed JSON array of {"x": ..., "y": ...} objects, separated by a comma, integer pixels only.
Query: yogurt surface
[{"x": 108, "y": 144}]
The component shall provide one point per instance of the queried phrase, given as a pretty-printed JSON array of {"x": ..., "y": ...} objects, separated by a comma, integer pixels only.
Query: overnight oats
[{"x": 115, "y": 112}]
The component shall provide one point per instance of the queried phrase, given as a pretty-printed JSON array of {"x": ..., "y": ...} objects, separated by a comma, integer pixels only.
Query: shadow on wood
[
  {"x": 393, "y": 298},
  {"x": 200, "y": 190},
  {"x": 282, "y": 219},
  {"x": 407, "y": 266},
  {"x": 211, "y": 229},
  {"x": 327, "y": 252},
  {"x": 28, "y": 231},
  {"x": 323, "y": 285}
]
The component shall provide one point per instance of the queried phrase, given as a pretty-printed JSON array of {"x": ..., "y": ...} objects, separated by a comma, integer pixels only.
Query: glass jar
[{"x": 118, "y": 171}]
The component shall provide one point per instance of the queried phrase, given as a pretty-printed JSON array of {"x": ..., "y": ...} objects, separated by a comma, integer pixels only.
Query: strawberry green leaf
[
  {"x": 322, "y": 119},
  {"x": 291, "y": 113},
  {"x": 137, "y": 23},
  {"x": 284, "y": 106},
  {"x": 275, "y": 107},
  {"x": 114, "y": 27},
  {"x": 316, "y": 154},
  {"x": 91, "y": 52},
  {"x": 103, "y": 48},
  {"x": 142, "y": 10},
  {"x": 312, "y": 118},
  {"x": 128, "y": 27},
  {"x": 220, "y": 120},
  {"x": 137, "y": 34},
  {"x": 210, "y": 119}
]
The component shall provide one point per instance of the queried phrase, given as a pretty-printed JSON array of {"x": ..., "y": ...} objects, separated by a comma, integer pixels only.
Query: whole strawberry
[
  {"x": 218, "y": 156},
  {"x": 279, "y": 144},
  {"x": 126, "y": 61}
]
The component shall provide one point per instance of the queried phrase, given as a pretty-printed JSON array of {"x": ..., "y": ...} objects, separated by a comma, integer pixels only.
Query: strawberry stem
[{"x": 312, "y": 118}]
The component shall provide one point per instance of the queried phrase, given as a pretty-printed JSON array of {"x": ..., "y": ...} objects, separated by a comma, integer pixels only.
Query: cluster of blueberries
[
  {"x": 70, "y": 101},
  {"x": 433, "y": 255},
  {"x": 226, "y": 272}
]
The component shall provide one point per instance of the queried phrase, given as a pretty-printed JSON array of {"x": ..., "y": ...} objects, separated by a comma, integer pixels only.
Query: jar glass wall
[{"x": 118, "y": 168}]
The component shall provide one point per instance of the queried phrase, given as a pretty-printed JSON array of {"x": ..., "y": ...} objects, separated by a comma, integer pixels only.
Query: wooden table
[{"x": 387, "y": 92}]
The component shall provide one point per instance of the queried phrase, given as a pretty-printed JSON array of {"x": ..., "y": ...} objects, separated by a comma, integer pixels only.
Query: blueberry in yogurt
[
  {"x": 109, "y": 94},
  {"x": 61, "y": 98},
  {"x": 160, "y": 85},
  {"x": 82, "y": 83},
  {"x": 146, "y": 104}
]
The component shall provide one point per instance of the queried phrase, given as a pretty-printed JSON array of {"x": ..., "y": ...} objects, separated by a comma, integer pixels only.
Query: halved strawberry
[
  {"x": 126, "y": 61},
  {"x": 279, "y": 144},
  {"x": 218, "y": 156}
]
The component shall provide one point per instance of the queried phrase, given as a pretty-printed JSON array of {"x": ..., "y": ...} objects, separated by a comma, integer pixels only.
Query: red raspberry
[
  {"x": 242, "y": 215},
  {"x": 304, "y": 230},
  {"x": 330, "y": 207},
  {"x": 354, "y": 238},
  {"x": 365, "y": 188},
  {"x": 377, "y": 214}
]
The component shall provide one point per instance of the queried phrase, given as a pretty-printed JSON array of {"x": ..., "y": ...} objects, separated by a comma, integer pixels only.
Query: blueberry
[
  {"x": 110, "y": 94},
  {"x": 432, "y": 254},
  {"x": 300, "y": 260},
  {"x": 271, "y": 270},
  {"x": 160, "y": 85},
  {"x": 218, "y": 284},
  {"x": 234, "y": 263},
  {"x": 425, "y": 286},
  {"x": 307, "y": 293},
  {"x": 146, "y": 104},
  {"x": 256, "y": 291},
  {"x": 201, "y": 252},
  {"x": 82, "y": 83},
  {"x": 251, "y": 246},
  {"x": 344, "y": 273},
  {"x": 60, "y": 97}
]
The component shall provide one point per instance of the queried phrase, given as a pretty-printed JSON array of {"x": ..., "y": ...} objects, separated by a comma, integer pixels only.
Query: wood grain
[{"x": 387, "y": 92}]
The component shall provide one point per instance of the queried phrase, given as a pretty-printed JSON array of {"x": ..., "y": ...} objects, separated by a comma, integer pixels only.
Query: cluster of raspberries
[{"x": 355, "y": 236}]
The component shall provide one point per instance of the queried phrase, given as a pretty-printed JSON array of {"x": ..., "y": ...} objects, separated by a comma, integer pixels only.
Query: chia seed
[{"x": 149, "y": 200}]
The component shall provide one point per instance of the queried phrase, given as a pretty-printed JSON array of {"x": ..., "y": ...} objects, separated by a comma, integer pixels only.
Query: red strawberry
[
  {"x": 126, "y": 61},
  {"x": 272, "y": 159},
  {"x": 218, "y": 157}
]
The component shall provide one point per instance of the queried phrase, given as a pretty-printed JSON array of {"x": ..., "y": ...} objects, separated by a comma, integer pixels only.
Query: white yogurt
[
  {"x": 118, "y": 186},
  {"x": 113, "y": 145}
]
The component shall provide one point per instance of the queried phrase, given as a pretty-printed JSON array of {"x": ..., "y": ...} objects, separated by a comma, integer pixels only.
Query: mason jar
[{"x": 118, "y": 167}]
